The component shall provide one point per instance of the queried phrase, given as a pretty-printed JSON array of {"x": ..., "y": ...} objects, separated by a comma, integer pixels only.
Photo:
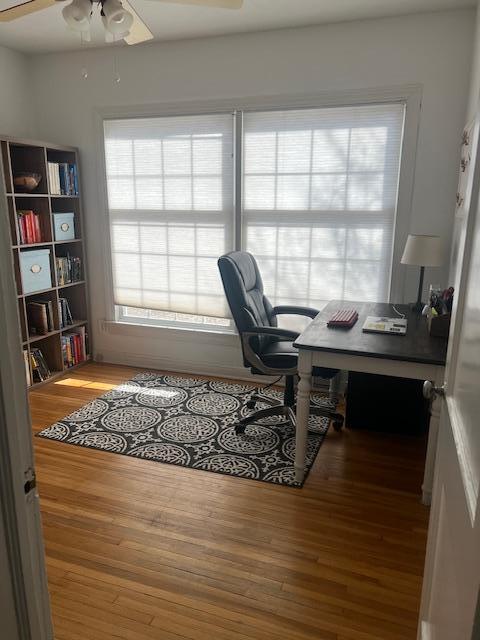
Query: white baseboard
[
  {"x": 160, "y": 363},
  {"x": 191, "y": 367},
  {"x": 425, "y": 631}
]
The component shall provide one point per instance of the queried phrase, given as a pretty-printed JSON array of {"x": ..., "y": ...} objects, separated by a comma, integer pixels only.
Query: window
[
  {"x": 319, "y": 200},
  {"x": 318, "y": 195},
  {"x": 170, "y": 196}
]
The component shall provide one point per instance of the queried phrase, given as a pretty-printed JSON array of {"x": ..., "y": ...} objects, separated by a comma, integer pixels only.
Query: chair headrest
[{"x": 246, "y": 267}]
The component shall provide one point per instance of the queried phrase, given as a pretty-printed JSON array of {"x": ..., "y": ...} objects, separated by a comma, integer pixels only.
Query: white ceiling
[{"x": 46, "y": 31}]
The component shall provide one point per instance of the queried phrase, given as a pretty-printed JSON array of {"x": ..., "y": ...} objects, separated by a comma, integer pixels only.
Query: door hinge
[{"x": 30, "y": 480}]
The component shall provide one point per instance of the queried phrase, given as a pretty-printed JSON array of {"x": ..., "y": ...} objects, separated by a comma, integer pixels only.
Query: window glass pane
[
  {"x": 259, "y": 192},
  {"x": 293, "y": 192},
  {"x": 177, "y": 156},
  {"x": 121, "y": 193},
  {"x": 330, "y": 150},
  {"x": 329, "y": 192},
  {"x": 294, "y": 151},
  {"x": 149, "y": 193},
  {"x": 260, "y": 152},
  {"x": 148, "y": 157}
]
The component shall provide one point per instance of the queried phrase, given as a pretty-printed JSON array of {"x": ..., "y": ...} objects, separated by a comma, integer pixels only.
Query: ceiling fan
[{"x": 119, "y": 17}]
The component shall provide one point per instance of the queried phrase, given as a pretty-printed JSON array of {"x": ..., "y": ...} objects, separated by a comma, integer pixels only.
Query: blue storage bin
[
  {"x": 63, "y": 225},
  {"x": 35, "y": 270}
]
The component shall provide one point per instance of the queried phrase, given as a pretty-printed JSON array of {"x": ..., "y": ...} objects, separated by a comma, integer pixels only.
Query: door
[
  {"x": 23, "y": 578},
  {"x": 449, "y": 609}
]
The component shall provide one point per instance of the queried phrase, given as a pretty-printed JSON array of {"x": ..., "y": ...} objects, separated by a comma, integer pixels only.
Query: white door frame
[{"x": 19, "y": 502}]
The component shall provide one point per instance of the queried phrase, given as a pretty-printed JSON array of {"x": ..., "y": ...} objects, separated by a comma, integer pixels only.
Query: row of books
[
  {"x": 40, "y": 370},
  {"x": 69, "y": 269},
  {"x": 74, "y": 347},
  {"x": 74, "y": 351},
  {"x": 29, "y": 229},
  {"x": 65, "y": 317},
  {"x": 63, "y": 179},
  {"x": 40, "y": 316}
]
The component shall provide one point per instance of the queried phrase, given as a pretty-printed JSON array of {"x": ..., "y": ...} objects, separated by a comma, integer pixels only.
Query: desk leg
[
  {"x": 427, "y": 485},
  {"x": 303, "y": 411}
]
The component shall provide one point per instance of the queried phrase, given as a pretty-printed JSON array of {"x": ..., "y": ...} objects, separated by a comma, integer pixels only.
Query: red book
[
  {"x": 30, "y": 231},
  {"x": 77, "y": 350},
  {"x": 36, "y": 225},
  {"x": 81, "y": 353}
]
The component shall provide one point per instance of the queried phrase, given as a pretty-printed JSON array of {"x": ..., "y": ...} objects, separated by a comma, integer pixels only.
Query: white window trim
[{"x": 410, "y": 95}]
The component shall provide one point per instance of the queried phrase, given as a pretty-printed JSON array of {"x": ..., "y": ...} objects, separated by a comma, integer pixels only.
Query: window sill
[{"x": 185, "y": 334}]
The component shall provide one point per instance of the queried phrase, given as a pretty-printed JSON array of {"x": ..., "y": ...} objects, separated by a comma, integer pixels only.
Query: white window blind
[
  {"x": 319, "y": 200},
  {"x": 170, "y": 199}
]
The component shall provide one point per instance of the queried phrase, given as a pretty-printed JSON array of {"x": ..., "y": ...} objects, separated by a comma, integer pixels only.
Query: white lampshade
[
  {"x": 78, "y": 14},
  {"x": 423, "y": 251},
  {"x": 116, "y": 19}
]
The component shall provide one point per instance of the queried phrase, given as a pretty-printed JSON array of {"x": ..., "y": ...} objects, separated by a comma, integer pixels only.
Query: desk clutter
[
  {"x": 379, "y": 324},
  {"x": 439, "y": 311}
]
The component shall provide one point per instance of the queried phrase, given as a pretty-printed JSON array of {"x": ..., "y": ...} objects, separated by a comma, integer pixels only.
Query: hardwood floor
[{"x": 140, "y": 550}]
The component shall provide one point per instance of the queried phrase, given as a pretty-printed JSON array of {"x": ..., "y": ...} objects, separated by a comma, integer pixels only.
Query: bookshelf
[{"x": 39, "y": 206}]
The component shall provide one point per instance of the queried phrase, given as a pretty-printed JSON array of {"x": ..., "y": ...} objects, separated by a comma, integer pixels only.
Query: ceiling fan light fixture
[
  {"x": 117, "y": 20},
  {"x": 78, "y": 14}
]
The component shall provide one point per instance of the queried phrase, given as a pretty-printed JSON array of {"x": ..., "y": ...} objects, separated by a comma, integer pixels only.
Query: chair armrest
[
  {"x": 254, "y": 358},
  {"x": 296, "y": 311},
  {"x": 276, "y": 332}
]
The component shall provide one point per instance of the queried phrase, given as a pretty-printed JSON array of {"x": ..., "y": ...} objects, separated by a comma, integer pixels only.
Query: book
[
  {"x": 26, "y": 362},
  {"x": 40, "y": 317},
  {"x": 36, "y": 226}
]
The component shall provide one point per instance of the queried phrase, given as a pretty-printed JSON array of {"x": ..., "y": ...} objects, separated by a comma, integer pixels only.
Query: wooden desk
[{"x": 416, "y": 355}]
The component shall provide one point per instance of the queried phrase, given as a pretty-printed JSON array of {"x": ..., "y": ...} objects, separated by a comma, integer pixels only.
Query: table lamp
[{"x": 422, "y": 251}]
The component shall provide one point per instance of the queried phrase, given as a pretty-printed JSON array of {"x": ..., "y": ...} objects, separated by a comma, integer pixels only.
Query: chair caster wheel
[
  {"x": 251, "y": 404},
  {"x": 337, "y": 422},
  {"x": 240, "y": 429}
]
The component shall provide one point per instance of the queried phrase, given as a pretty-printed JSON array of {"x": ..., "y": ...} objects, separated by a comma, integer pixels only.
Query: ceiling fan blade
[
  {"x": 139, "y": 31},
  {"x": 221, "y": 4},
  {"x": 24, "y": 9}
]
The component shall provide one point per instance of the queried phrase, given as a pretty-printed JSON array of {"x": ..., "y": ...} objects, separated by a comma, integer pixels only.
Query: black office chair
[{"x": 266, "y": 348}]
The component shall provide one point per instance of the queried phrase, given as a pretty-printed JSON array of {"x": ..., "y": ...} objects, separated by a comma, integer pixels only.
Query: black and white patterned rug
[{"x": 190, "y": 422}]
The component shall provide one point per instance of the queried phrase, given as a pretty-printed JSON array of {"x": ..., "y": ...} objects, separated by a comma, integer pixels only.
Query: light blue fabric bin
[
  {"x": 63, "y": 224},
  {"x": 35, "y": 270}
]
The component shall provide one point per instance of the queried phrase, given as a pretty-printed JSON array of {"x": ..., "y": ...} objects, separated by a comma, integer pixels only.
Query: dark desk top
[{"x": 416, "y": 346}]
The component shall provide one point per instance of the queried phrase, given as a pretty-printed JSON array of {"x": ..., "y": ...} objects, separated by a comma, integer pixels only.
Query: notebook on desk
[{"x": 378, "y": 324}]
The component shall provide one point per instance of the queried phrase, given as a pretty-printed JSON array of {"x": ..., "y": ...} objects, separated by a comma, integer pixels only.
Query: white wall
[
  {"x": 16, "y": 99},
  {"x": 472, "y": 107},
  {"x": 433, "y": 50},
  {"x": 474, "y": 93}
]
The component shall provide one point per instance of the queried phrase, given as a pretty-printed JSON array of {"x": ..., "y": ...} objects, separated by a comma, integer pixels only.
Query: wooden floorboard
[{"x": 140, "y": 550}]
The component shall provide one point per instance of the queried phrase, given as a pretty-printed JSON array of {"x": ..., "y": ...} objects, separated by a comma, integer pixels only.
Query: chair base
[{"x": 288, "y": 412}]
